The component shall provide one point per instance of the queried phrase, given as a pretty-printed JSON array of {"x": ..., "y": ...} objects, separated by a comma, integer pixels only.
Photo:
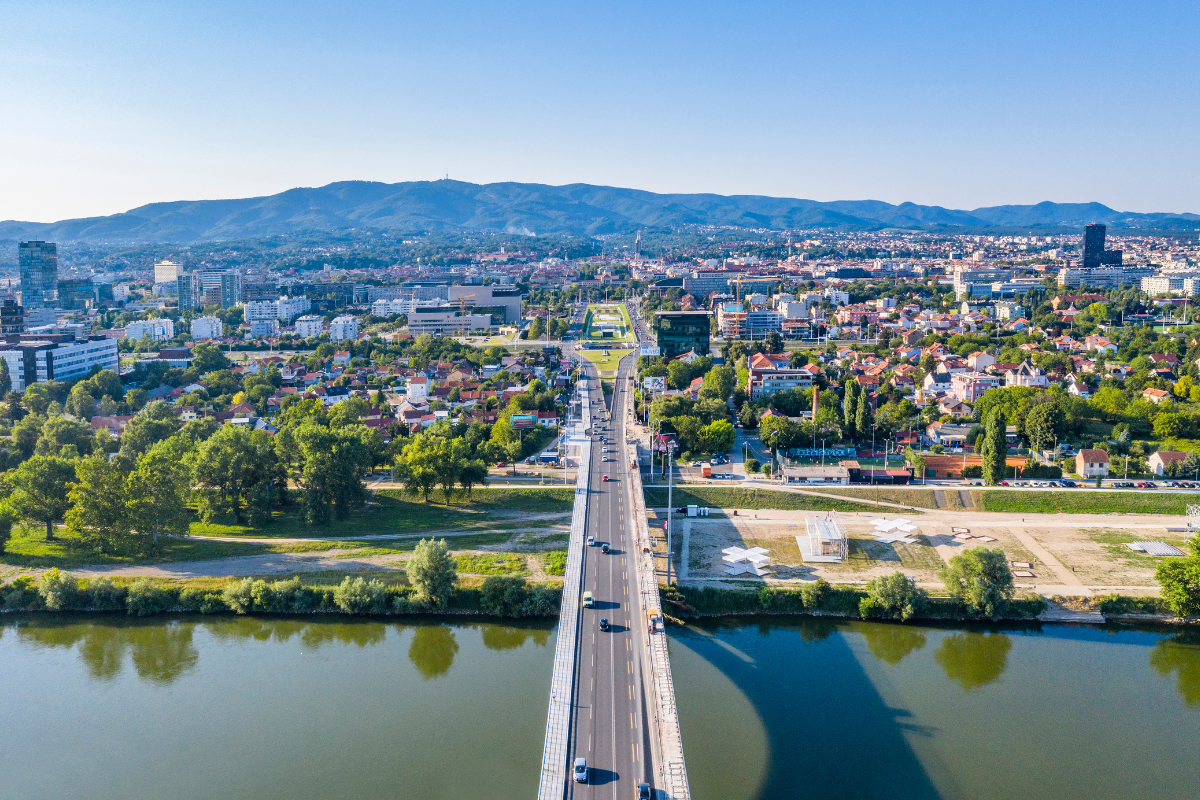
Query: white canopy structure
[{"x": 826, "y": 541}]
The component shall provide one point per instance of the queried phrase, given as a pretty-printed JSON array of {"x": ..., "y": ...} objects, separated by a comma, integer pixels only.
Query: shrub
[
  {"x": 21, "y": 593},
  {"x": 555, "y": 562},
  {"x": 504, "y": 596},
  {"x": 752, "y": 465},
  {"x": 841, "y": 601},
  {"x": 766, "y": 469},
  {"x": 543, "y": 601},
  {"x": 813, "y": 593},
  {"x": 981, "y": 579},
  {"x": 292, "y": 598},
  {"x": 239, "y": 596},
  {"x": 868, "y": 608},
  {"x": 360, "y": 597},
  {"x": 106, "y": 595},
  {"x": 59, "y": 592},
  {"x": 431, "y": 572},
  {"x": 206, "y": 601},
  {"x": 145, "y": 598},
  {"x": 1180, "y": 582},
  {"x": 895, "y": 596}
]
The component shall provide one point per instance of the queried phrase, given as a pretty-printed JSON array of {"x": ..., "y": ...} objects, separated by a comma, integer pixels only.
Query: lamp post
[{"x": 670, "y": 484}]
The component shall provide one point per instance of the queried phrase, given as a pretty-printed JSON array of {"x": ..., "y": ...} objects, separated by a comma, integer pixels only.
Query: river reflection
[
  {"x": 162, "y": 651},
  {"x": 973, "y": 660},
  {"x": 288, "y": 707},
  {"x": 891, "y": 643},
  {"x": 1180, "y": 655}
]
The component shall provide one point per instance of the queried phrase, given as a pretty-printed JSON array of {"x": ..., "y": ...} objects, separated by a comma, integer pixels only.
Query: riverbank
[
  {"x": 687, "y": 602},
  {"x": 54, "y": 592}
]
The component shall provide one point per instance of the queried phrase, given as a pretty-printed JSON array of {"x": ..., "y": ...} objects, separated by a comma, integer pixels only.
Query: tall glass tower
[
  {"x": 1093, "y": 245},
  {"x": 38, "y": 262}
]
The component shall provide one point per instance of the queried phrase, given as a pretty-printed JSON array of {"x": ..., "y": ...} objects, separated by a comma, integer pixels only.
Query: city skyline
[{"x": 945, "y": 105}]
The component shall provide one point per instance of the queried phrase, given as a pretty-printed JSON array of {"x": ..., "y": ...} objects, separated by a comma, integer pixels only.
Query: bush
[
  {"x": 106, "y": 595},
  {"x": 1180, "y": 582},
  {"x": 813, "y": 593},
  {"x": 206, "y": 601},
  {"x": 21, "y": 593},
  {"x": 766, "y": 469},
  {"x": 360, "y": 597},
  {"x": 895, "y": 596},
  {"x": 973, "y": 471},
  {"x": 752, "y": 465},
  {"x": 543, "y": 601},
  {"x": 145, "y": 598},
  {"x": 982, "y": 579},
  {"x": 504, "y": 596},
  {"x": 868, "y": 608},
  {"x": 59, "y": 592},
  {"x": 239, "y": 596}
]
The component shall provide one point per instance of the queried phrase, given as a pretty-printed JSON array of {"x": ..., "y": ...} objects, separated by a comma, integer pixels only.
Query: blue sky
[{"x": 106, "y": 106}]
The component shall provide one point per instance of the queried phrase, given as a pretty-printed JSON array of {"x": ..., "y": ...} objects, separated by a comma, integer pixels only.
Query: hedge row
[
  {"x": 511, "y": 597},
  {"x": 818, "y": 596}
]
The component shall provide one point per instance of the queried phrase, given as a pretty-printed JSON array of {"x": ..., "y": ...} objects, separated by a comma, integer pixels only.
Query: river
[
  {"x": 114, "y": 707},
  {"x": 797, "y": 708},
  {"x": 432, "y": 708}
]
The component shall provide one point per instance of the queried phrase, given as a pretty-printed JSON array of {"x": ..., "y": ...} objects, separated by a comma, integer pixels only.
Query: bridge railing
[
  {"x": 553, "y": 785},
  {"x": 672, "y": 769}
]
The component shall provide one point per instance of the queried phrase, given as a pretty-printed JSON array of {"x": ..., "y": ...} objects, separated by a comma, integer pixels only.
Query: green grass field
[
  {"x": 1087, "y": 501},
  {"x": 738, "y": 497},
  {"x": 904, "y": 495},
  {"x": 393, "y": 512},
  {"x": 611, "y": 309},
  {"x": 606, "y": 364}
]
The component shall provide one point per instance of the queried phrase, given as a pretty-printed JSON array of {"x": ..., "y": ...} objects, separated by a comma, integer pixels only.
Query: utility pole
[{"x": 670, "y": 484}]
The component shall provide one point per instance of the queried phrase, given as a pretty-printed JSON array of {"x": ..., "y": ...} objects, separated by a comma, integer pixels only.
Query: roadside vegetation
[
  {"x": 719, "y": 497},
  {"x": 1089, "y": 501}
]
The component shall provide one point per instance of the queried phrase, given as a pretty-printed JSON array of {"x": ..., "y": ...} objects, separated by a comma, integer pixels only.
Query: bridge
[{"x": 612, "y": 700}]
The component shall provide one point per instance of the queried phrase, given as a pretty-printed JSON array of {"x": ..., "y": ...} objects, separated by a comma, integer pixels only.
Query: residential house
[
  {"x": 980, "y": 361},
  {"x": 1089, "y": 463},
  {"x": 1156, "y": 396},
  {"x": 1026, "y": 375},
  {"x": 970, "y": 386},
  {"x": 1158, "y": 462}
]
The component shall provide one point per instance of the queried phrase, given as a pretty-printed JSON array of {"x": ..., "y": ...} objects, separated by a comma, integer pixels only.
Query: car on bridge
[
  {"x": 643, "y": 792},
  {"x": 604, "y": 479},
  {"x": 580, "y": 772},
  {"x": 604, "y": 623}
]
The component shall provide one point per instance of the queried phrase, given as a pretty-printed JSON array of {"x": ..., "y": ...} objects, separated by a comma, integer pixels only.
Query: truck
[
  {"x": 654, "y": 621},
  {"x": 706, "y": 470}
]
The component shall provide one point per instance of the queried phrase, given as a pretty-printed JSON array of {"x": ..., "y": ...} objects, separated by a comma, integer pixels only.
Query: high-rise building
[
  {"x": 75, "y": 294},
  {"x": 1093, "y": 245},
  {"x": 38, "y": 262},
  {"x": 166, "y": 272},
  {"x": 12, "y": 316},
  {"x": 190, "y": 289}
]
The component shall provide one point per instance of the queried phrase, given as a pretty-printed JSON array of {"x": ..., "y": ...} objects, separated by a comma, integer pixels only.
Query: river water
[
  {"x": 802, "y": 707},
  {"x": 113, "y": 707}
]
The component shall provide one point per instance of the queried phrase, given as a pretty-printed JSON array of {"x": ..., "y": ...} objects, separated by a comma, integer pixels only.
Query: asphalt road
[{"x": 608, "y": 725}]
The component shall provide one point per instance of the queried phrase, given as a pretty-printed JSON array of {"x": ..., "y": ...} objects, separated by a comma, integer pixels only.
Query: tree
[
  {"x": 864, "y": 417},
  {"x": 774, "y": 342},
  {"x": 980, "y": 578},
  {"x": 718, "y": 384},
  {"x": 98, "y": 515},
  {"x": 40, "y": 489},
  {"x": 779, "y": 432},
  {"x": 850, "y": 404},
  {"x": 156, "y": 493},
  {"x": 1179, "y": 579},
  {"x": 896, "y": 596},
  {"x": 209, "y": 358},
  {"x": 473, "y": 473},
  {"x": 431, "y": 572},
  {"x": 1042, "y": 425},
  {"x": 717, "y": 437},
  {"x": 154, "y": 423},
  {"x": 80, "y": 402},
  {"x": 453, "y": 454},
  {"x": 334, "y": 462},
  {"x": 234, "y": 470},
  {"x": 60, "y": 432},
  {"x": 417, "y": 464},
  {"x": 994, "y": 448},
  {"x": 8, "y": 516},
  {"x": 679, "y": 374}
]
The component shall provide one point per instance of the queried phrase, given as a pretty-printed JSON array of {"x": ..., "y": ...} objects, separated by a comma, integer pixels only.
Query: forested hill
[{"x": 530, "y": 208}]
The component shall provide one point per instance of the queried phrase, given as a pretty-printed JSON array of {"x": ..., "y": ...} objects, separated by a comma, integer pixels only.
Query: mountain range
[{"x": 531, "y": 208}]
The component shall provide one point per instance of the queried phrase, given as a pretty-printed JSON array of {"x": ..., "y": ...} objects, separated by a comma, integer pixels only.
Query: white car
[
  {"x": 591, "y": 541},
  {"x": 580, "y": 771}
]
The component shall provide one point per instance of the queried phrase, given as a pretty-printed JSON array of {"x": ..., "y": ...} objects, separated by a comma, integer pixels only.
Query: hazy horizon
[{"x": 113, "y": 106}]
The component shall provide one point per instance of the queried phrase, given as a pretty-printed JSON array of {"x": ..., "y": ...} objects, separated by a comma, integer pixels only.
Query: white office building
[
  {"x": 207, "y": 328},
  {"x": 260, "y": 309},
  {"x": 343, "y": 327},
  {"x": 309, "y": 325},
  {"x": 166, "y": 272},
  {"x": 159, "y": 329},
  {"x": 259, "y": 328},
  {"x": 289, "y": 307},
  {"x": 37, "y": 362}
]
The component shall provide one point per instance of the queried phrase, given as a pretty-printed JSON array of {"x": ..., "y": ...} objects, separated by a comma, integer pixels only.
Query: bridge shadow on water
[{"x": 830, "y": 734}]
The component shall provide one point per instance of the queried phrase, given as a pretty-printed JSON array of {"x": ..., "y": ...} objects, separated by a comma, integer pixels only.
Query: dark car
[
  {"x": 643, "y": 792},
  {"x": 604, "y": 623},
  {"x": 604, "y": 548}
]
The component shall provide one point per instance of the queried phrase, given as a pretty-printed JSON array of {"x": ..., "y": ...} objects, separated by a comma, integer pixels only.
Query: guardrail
[
  {"x": 553, "y": 785},
  {"x": 672, "y": 775}
]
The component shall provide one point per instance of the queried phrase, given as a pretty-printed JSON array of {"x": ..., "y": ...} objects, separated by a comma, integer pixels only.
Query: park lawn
[
  {"x": 1087, "y": 501},
  {"x": 625, "y": 321},
  {"x": 607, "y": 364},
  {"x": 28, "y": 548},
  {"x": 747, "y": 498},
  {"x": 555, "y": 562},
  {"x": 491, "y": 564},
  {"x": 393, "y": 513},
  {"x": 904, "y": 495}
]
